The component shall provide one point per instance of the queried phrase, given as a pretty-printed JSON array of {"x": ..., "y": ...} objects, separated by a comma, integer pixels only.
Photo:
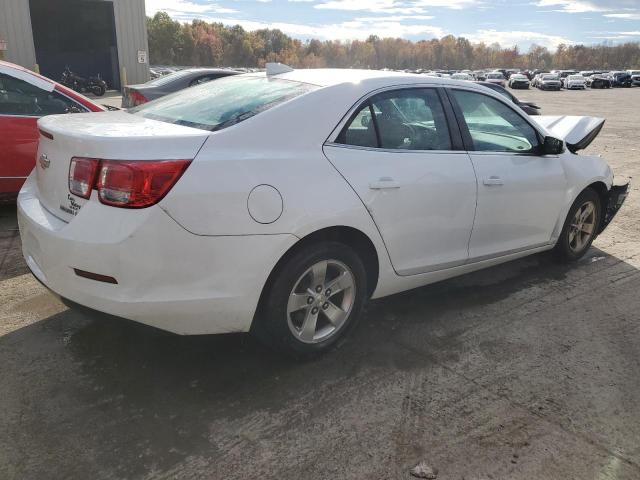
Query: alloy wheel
[
  {"x": 321, "y": 301},
  {"x": 583, "y": 226}
]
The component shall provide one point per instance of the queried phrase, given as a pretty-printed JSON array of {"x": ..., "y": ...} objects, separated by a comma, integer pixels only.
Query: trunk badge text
[{"x": 44, "y": 161}]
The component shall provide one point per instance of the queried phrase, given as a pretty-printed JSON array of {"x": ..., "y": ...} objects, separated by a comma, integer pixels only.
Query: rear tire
[
  {"x": 313, "y": 301},
  {"x": 98, "y": 90},
  {"x": 580, "y": 227}
]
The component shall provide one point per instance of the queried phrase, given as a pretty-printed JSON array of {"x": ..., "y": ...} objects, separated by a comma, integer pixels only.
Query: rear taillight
[
  {"x": 137, "y": 98},
  {"x": 82, "y": 176},
  {"x": 125, "y": 183},
  {"x": 137, "y": 184}
]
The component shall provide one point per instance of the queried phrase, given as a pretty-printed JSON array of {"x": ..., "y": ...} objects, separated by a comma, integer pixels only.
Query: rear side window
[
  {"x": 410, "y": 119},
  {"x": 216, "y": 105},
  {"x": 21, "y": 98}
]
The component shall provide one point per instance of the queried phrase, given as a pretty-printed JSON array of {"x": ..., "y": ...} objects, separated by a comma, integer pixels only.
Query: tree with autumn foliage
[{"x": 201, "y": 43}]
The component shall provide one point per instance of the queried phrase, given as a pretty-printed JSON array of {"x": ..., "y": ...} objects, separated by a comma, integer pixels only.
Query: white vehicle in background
[
  {"x": 549, "y": 81},
  {"x": 462, "y": 76},
  {"x": 635, "y": 77},
  {"x": 518, "y": 80},
  {"x": 279, "y": 202},
  {"x": 574, "y": 82},
  {"x": 497, "y": 78}
]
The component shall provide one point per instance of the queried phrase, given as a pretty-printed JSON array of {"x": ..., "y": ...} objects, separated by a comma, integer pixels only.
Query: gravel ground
[{"x": 524, "y": 371}]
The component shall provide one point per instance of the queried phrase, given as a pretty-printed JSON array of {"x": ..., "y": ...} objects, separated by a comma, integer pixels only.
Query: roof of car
[
  {"x": 27, "y": 75},
  {"x": 210, "y": 70},
  {"x": 326, "y": 77}
]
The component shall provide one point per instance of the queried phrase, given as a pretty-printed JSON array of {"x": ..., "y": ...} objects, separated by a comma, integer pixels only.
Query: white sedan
[
  {"x": 279, "y": 202},
  {"x": 573, "y": 82}
]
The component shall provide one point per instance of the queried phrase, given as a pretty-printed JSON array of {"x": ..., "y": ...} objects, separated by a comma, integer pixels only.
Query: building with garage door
[{"x": 91, "y": 37}]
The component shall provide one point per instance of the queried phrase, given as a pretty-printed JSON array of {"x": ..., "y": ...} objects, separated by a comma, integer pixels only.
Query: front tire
[
  {"x": 313, "y": 301},
  {"x": 98, "y": 90},
  {"x": 580, "y": 228}
]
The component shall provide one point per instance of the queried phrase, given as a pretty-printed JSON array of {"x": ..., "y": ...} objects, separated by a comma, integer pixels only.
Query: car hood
[{"x": 577, "y": 132}]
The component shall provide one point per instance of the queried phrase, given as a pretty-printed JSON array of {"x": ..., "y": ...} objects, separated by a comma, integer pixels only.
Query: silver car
[{"x": 134, "y": 95}]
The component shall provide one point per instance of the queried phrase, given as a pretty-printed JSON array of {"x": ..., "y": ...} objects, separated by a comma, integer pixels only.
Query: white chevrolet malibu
[{"x": 279, "y": 202}]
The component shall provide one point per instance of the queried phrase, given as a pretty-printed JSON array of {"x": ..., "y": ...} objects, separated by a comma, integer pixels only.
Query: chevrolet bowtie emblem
[{"x": 44, "y": 161}]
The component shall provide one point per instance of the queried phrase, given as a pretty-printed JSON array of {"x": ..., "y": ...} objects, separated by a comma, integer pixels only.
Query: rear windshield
[
  {"x": 170, "y": 77},
  {"x": 216, "y": 105}
]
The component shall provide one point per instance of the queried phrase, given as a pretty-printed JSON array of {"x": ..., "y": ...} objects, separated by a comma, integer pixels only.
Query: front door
[
  {"x": 520, "y": 192},
  {"x": 396, "y": 153}
]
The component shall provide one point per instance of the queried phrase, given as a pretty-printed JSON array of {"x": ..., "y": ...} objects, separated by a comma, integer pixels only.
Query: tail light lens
[
  {"x": 137, "y": 98},
  {"x": 137, "y": 184},
  {"x": 126, "y": 183},
  {"x": 82, "y": 176}
]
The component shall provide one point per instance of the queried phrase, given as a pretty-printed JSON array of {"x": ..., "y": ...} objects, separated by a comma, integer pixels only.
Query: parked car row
[{"x": 544, "y": 80}]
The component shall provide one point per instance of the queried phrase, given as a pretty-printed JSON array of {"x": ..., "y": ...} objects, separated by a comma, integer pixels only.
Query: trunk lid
[
  {"x": 577, "y": 132},
  {"x": 128, "y": 93},
  {"x": 105, "y": 135}
]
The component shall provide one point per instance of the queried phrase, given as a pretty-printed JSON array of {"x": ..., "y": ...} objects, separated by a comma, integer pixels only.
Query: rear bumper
[
  {"x": 166, "y": 277},
  {"x": 615, "y": 199}
]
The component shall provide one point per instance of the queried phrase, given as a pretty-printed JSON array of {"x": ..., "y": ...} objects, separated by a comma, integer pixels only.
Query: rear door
[
  {"x": 520, "y": 192},
  {"x": 398, "y": 154}
]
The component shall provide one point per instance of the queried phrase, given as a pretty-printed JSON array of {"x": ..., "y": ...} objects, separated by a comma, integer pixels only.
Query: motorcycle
[{"x": 94, "y": 85}]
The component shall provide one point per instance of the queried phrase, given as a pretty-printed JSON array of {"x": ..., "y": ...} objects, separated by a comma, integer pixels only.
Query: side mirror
[
  {"x": 365, "y": 121},
  {"x": 552, "y": 146}
]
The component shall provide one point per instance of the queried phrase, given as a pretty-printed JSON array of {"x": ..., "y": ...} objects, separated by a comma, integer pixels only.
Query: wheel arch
[
  {"x": 603, "y": 192},
  {"x": 350, "y": 236}
]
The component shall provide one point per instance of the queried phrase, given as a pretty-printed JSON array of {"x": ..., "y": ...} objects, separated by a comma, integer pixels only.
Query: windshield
[
  {"x": 495, "y": 75},
  {"x": 549, "y": 77},
  {"x": 576, "y": 77},
  {"x": 216, "y": 105}
]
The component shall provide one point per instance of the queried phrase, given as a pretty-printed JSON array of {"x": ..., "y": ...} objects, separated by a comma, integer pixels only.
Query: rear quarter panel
[{"x": 281, "y": 147}]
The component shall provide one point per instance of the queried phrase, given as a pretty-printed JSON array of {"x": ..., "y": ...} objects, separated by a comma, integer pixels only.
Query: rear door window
[
  {"x": 20, "y": 98},
  {"x": 411, "y": 119}
]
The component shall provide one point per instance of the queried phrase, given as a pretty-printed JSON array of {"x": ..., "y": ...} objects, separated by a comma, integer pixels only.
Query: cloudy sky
[{"x": 508, "y": 22}]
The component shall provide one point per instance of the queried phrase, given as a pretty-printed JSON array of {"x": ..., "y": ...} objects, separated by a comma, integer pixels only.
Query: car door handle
[
  {"x": 493, "y": 180},
  {"x": 384, "y": 183}
]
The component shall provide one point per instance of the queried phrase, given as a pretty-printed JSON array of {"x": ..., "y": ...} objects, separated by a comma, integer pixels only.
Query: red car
[{"x": 26, "y": 96}]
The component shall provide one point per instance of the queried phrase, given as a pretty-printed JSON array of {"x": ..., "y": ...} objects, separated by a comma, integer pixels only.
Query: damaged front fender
[{"x": 614, "y": 200}]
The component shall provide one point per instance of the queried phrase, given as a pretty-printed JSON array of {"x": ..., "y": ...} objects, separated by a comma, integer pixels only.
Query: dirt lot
[{"x": 524, "y": 371}]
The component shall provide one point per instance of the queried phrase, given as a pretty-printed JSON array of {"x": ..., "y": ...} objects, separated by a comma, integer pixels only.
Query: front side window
[
  {"x": 21, "y": 98},
  {"x": 493, "y": 126},
  {"x": 400, "y": 120},
  {"x": 216, "y": 105}
]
